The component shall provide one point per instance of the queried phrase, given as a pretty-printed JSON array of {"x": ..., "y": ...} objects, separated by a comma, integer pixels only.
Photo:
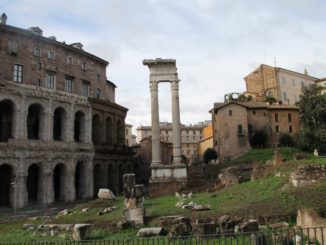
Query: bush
[
  {"x": 286, "y": 140},
  {"x": 209, "y": 155},
  {"x": 259, "y": 139}
]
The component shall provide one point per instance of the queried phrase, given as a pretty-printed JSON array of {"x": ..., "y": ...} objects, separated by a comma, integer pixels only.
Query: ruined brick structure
[{"x": 61, "y": 132}]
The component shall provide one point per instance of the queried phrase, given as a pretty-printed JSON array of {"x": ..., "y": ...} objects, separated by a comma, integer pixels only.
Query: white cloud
[{"x": 215, "y": 42}]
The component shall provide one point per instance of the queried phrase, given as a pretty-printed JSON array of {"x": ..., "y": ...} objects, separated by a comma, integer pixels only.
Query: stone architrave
[{"x": 174, "y": 176}]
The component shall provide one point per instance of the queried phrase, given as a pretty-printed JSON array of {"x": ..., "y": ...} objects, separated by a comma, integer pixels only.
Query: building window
[
  {"x": 98, "y": 93},
  {"x": 12, "y": 47},
  {"x": 250, "y": 129},
  {"x": 51, "y": 55},
  {"x": 302, "y": 84},
  {"x": 270, "y": 93},
  {"x": 83, "y": 66},
  {"x": 254, "y": 112},
  {"x": 284, "y": 96},
  {"x": 18, "y": 73},
  {"x": 37, "y": 52},
  {"x": 85, "y": 88},
  {"x": 289, "y": 117},
  {"x": 68, "y": 84},
  {"x": 38, "y": 82},
  {"x": 283, "y": 80},
  {"x": 277, "y": 129},
  {"x": 39, "y": 66},
  {"x": 230, "y": 112},
  {"x": 276, "y": 117},
  {"x": 293, "y": 82},
  {"x": 50, "y": 81},
  {"x": 240, "y": 129},
  {"x": 98, "y": 77},
  {"x": 69, "y": 60},
  {"x": 290, "y": 129}
]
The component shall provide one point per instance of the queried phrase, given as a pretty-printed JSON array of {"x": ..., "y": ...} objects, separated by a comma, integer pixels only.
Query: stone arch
[
  {"x": 109, "y": 131},
  {"x": 80, "y": 180},
  {"x": 97, "y": 175},
  {"x": 80, "y": 127},
  {"x": 59, "y": 174},
  {"x": 96, "y": 129},
  {"x": 111, "y": 178},
  {"x": 6, "y": 178},
  {"x": 6, "y": 120},
  {"x": 35, "y": 121},
  {"x": 59, "y": 124},
  {"x": 32, "y": 182},
  {"x": 120, "y": 133}
]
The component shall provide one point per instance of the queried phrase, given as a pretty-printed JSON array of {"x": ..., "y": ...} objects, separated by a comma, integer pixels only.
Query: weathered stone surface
[
  {"x": 135, "y": 215},
  {"x": 129, "y": 180},
  {"x": 124, "y": 224},
  {"x": 64, "y": 212},
  {"x": 105, "y": 194},
  {"x": 201, "y": 207},
  {"x": 226, "y": 224},
  {"x": 167, "y": 221},
  {"x": 230, "y": 176},
  {"x": 81, "y": 232},
  {"x": 181, "y": 229},
  {"x": 248, "y": 226},
  {"x": 149, "y": 232},
  {"x": 258, "y": 239},
  {"x": 307, "y": 174},
  {"x": 201, "y": 229},
  {"x": 279, "y": 225}
]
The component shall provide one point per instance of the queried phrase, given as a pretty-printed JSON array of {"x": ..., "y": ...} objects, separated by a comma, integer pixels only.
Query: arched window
[
  {"x": 109, "y": 131},
  {"x": 6, "y": 120},
  {"x": 59, "y": 173},
  {"x": 6, "y": 178},
  {"x": 96, "y": 129},
  {"x": 79, "y": 127},
  {"x": 59, "y": 119},
  {"x": 34, "y": 121},
  {"x": 33, "y": 182}
]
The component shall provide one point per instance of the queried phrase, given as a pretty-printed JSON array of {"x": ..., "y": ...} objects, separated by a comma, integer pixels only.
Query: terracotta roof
[{"x": 256, "y": 105}]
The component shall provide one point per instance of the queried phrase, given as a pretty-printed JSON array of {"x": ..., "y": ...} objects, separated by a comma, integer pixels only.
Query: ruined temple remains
[
  {"x": 134, "y": 201},
  {"x": 165, "y": 178}
]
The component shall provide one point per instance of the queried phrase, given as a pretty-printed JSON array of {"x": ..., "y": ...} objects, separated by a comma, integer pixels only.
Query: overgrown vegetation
[{"x": 271, "y": 199}]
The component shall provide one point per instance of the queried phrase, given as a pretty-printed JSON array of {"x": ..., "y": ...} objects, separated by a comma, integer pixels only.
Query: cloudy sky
[{"x": 215, "y": 42}]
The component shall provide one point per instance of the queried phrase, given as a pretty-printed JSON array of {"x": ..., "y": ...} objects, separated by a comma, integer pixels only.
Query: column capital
[
  {"x": 153, "y": 85},
  {"x": 175, "y": 85}
]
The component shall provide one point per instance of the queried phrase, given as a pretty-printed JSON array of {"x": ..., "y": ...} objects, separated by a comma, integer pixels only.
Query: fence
[{"x": 292, "y": 236}]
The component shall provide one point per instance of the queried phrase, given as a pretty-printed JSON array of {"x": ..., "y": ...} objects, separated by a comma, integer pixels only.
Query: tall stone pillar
[
  {"x": 176, "y": 123},
  {"x": 156, "y": 139}
]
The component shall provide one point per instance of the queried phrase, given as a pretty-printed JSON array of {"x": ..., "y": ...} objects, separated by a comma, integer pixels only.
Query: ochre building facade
[{"x": 235, "y": 123}]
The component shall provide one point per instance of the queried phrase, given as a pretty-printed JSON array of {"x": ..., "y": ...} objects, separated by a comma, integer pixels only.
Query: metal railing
[{"x": 291, "y": 236}]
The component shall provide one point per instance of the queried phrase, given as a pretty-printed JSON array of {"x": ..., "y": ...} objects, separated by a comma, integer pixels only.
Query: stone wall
[
  {"x": 307, "y": 174},
  {"x": 308, "y": 218}
]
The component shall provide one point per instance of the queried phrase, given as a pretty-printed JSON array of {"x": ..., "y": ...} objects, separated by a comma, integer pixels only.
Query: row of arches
[
  {"x": 111, "y": 131},
  {"x": 35, "y": 187},
  {"x": 35, "y": 122}
]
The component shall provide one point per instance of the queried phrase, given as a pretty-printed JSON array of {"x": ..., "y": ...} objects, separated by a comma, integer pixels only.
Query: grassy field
[{"x": 271, "y": 199}]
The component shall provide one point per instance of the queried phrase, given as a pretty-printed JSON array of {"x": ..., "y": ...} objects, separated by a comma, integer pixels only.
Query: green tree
[
  {"x": 312, "y": 106},
  {"x": 259, "y": 139},
  {"x": 210, "y": 154},
  {"x": 286, "y": 140}
]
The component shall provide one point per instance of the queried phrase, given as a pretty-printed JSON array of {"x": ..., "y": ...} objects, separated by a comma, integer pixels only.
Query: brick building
[
  {"x": 282, "y": 84},
  {"x": 61, "y": 132},
  {"x": 234, "y": 124},
  {"x": 190, "y": 136}
]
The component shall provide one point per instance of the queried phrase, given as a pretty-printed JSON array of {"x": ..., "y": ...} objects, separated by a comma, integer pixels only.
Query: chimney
[
  {"x": 36, "y": 30},
  {"x": 3, "y": 19},
  {"x": 305, "y": 72},
  {"x": 77, "y": 45}
]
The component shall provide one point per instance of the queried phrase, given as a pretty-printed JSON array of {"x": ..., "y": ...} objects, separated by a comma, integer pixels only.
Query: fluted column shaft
[
  {"x": 156, "y": 144},
  {"x": 176, "y": 123}
]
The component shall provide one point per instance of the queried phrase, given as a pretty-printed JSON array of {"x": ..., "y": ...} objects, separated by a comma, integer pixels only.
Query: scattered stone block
[
  {"x": 201, "y": 207},
  {"x": 279, "y": 225},
  {"x": 84, "y": 210},
  {"x": 248, "y": 226},
  {"x": 28, "y": 226},
  {"x": 105, "y": 194},
  {"x": 201, "y": 229},
  {"x": 167, "y": 221},
  {"x": 226, "y": 224},
  {"x": 136, "y": 215},
  {"x": 64, "y": 212},
  {"x": 149, "y": 232},
  {"x": 81, "y": 232}
]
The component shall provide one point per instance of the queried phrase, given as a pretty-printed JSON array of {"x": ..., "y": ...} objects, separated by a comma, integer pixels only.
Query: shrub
[
  {"x": 286, "y": 140},
  {"x": 259, "y": 139}
]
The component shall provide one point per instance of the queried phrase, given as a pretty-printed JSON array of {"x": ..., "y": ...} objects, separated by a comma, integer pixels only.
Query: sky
[{"x": 216, "y": 43}]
